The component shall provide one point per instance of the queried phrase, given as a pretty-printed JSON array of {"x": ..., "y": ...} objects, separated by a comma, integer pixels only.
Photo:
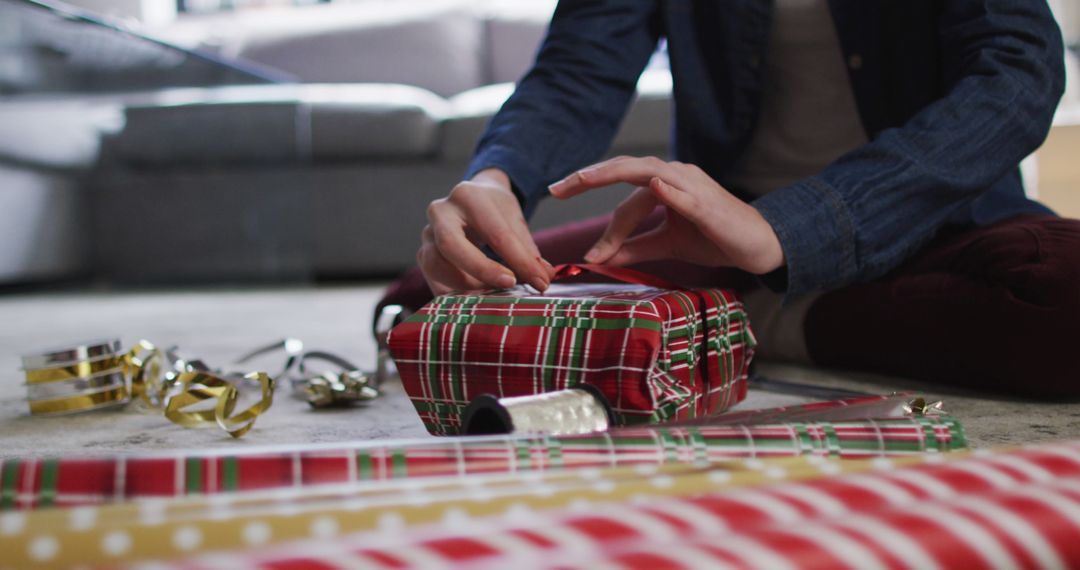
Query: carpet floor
[{"x": 217, "y": 325}]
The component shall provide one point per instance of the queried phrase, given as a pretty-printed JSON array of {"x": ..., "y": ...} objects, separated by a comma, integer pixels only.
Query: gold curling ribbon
[
  {"x": 80, "y": 369},
  {"x": 200, "y": 386},
  {"x": 80, "y": 402}
]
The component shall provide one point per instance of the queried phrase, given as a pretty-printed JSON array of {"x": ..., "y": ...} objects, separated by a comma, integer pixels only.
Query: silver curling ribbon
[{"x": 581, "y": 409}]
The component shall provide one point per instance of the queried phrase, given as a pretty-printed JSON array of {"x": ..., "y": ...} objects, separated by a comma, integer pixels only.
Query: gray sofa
[{"x": 328, "y": 176}]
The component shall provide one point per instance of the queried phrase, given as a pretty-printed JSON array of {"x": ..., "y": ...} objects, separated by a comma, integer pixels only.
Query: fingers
[
  {"x": 685, "y": 203},
  {"x": 649, "y": 246},
  {"x": 625, "y": 219},
  {"x": 512, "y": 241},
  {"x": 637, "y": 171},
  {"x": 441, "y": 276},
  {"x": 540, "y": 271},
  {"x": 448, "y": 237},
  {"x": 476, "y": 214}
]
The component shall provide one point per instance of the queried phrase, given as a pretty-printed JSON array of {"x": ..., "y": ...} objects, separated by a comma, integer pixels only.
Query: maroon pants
[{"x": 994, "y": 308}]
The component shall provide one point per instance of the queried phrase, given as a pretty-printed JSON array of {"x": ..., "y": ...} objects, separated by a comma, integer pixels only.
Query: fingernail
[
  {"x": 506, "y": 281},
  {"x": 556, "y": 186},
  {"x": 539, "y": 283},
  {"x": 593, "y": 255}
]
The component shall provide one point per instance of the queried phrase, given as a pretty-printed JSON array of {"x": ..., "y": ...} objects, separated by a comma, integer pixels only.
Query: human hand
[
  {"x": 705, "y": 224},
  {"x": 478, "y": 212}
]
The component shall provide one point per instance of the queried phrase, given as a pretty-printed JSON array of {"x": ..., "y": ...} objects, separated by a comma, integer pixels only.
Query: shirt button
[{"x": 854, "y": 61}]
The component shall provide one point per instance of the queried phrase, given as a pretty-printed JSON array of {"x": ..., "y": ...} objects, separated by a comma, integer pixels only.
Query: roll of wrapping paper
[
  {"x": 36, "y": 483},
  {"x": 111, "y": 534},
  {"x": 1013, "y": 509}
]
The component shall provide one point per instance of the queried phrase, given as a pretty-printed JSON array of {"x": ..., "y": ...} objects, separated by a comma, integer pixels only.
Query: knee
[{"x": 1046, "y": 317}]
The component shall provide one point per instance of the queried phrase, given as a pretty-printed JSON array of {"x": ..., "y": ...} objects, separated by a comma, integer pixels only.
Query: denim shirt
[{"x": 953, "y": 95}]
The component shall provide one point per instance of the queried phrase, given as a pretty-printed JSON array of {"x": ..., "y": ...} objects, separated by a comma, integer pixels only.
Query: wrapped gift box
[{"x": 654, "y": 351}]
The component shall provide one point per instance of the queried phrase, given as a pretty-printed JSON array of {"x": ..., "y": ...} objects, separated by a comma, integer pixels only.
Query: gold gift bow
[{"x": 218, "y": 522}]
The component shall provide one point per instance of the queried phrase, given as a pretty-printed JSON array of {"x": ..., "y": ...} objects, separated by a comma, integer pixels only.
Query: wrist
[{"x": 493, "y": 176}]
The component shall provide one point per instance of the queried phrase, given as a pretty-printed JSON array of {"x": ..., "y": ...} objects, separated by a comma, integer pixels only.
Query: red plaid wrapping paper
[
  {"x": 1017, "y": 509},
  {"x": 656, "y": 354},
  {"x": 66, "y": 482}
]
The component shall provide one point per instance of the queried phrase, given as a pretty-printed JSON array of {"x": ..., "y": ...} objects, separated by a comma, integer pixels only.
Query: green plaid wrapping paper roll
[
  {"x": 67, "y": 482},
  {"x": 656, "y": 354}
]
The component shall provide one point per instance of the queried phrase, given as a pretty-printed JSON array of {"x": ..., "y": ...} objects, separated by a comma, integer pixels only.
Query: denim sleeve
[
  {"x": 875, "y": 206},
  {"x": 566, "y": 110}
]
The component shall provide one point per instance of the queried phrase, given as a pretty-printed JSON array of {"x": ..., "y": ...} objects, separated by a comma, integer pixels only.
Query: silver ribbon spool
[{"x": 578, "y": 410}]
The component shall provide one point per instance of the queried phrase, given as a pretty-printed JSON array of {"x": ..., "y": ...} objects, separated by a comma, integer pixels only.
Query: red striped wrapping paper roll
[
  {"x": 1016, "y": 509},
  {"x": 36, "y": 483}
]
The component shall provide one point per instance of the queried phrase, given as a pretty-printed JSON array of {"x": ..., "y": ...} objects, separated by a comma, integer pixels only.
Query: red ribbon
[{"x": 567, "y": 270}]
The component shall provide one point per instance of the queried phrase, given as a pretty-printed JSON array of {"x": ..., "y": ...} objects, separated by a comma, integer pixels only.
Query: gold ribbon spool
[
  {"x": 199, "y": 386},
  {"x": 75, "y": 378},
  {"x": 81, "y": 402},
  {"x": 81, "y": 369}
]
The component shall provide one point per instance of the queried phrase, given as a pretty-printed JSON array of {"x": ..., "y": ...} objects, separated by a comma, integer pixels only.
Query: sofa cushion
[
  {"x": 469, "y": 114},
  {"x": 274, "y": 123},
  {"x": 515, "y": 30},
  {"x": 647, "y": 125},
  {"x": 437, "y": 45}
]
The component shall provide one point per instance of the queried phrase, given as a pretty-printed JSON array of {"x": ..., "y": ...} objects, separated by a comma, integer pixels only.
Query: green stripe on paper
[
  {"x": 193, "y": 472},
  {"x": 959, "y": 438},
  {"x": 524, "y": 458},
  {"x": 670, "y": 446},
  {"x": 47, "y": 493},
  {"x": 364, "y": 465},
  {"x": 230, "y": 473},
  {"x": 397, "y": 463},
  {"x": 700, "y": 447},
  {"x": 9, "y": 475},
  {"x": 807, "y": 442},
  {"x": 555, "y": 452}
]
